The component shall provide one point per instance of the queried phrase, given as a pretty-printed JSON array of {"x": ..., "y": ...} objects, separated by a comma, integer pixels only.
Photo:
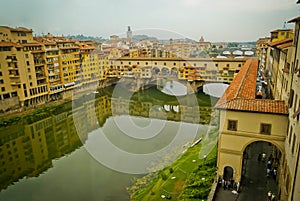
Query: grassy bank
[{"x": 188, "y": 178}]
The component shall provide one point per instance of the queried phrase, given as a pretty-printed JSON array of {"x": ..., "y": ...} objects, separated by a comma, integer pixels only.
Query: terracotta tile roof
[
  {"x": 240, "y": 95},
  {"x": 21, "y": 29},
  {"x": 285, "y": 45},
  {"x": 6, "y": 44},
  {"x": 280, "y": 42},
  {"x": 30, "y": 44},
  {"x": 9, "y": 44}
]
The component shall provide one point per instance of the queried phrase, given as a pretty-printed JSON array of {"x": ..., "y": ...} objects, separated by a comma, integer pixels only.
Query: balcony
[
  {"x": 12, "y": 68},
  {"x": 40, "y": 77},
  {"x": 14, "y": 75},
  {"x": 39, "y": 63},
  {"x": 51, "y": 49},
  {"x": 15, "y": 81}
]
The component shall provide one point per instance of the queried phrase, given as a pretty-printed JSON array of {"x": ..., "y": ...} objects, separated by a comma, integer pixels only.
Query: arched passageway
[
  {"x": 261, "y": 165},
  {"x": 228, "y": 173}
]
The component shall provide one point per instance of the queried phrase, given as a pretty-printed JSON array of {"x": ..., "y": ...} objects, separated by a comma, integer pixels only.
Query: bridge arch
[
  {"x": 174, "y": 72},
  {"x": 165, "y": 71},
  {"x": 155, "y": 71}
]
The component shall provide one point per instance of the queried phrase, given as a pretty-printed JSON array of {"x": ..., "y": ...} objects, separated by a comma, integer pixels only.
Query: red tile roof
[
  {"x": 285, "y": 45},
  {"x": 9, "y": 44},
  {"x": 240, "y": 95},
  {"x": 280, "y": 42}
]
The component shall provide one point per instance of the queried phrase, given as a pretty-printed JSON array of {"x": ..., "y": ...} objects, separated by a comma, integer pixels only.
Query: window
[
  {"x": 26, "y": 56},
  {"x": 1, "y": 81},
  {"x": 216, "y": 65},
  {"x": 265, "y": 129},
  {"x": 0, "y": 73},
  {"x": 240, "y": 65},
  {"x": 2, "y": 88},
  {"x": 295, "y": 102},
  {"x": 232, "y": 125},
  {"x": 294, "y": 143},
  {"x": 291, "y": 98},
  {"x": 27, "y": 62},
  {"x": 227, "y": 65}
]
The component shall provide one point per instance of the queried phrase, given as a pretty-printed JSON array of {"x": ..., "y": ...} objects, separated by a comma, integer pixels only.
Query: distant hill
[
  {"x": 143, "y": 37},
  {"x": 83, "y": 37}
]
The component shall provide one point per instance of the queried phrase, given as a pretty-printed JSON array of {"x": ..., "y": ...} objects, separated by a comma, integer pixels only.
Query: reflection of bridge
[{"x": 175, "y": 112}]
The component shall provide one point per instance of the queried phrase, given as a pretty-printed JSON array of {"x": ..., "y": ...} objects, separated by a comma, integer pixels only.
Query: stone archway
[
  {"x": 228, "y": 173},
  {"x": 260, "y": 167}
]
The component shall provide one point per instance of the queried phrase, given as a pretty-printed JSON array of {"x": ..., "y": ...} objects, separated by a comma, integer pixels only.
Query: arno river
[{"x": 93, "y": 147}]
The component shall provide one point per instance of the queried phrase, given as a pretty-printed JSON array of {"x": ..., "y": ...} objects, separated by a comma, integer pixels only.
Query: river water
[{"x": 93, "y": 147}]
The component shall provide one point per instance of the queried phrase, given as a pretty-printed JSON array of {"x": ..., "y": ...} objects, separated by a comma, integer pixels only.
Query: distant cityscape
[
  {"x": 261, "y": 104},
  {"x": 36, "y": 70}
]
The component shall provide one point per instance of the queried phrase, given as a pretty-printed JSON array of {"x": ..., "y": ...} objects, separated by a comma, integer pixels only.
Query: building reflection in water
[{"x": 27, "y": 150}]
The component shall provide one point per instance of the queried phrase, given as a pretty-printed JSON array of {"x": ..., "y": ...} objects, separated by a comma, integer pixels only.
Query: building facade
[{"x": 245, "y": 120}]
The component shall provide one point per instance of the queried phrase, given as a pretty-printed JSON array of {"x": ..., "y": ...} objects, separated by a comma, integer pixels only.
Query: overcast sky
[{"x": 215, "y": 20}]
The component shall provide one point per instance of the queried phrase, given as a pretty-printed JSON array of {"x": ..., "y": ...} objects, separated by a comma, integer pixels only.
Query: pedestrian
[
  {"x": 259, "y": 157},
  {"x": 238, "y": 186},
  {"x": 268, "y": 172},
  {"x": 223, "y": 184},
  {"x": 273, "y": 197},
  {"x": 226, "y": 184},
  {"x": 269, "y": 164},
  {"x": 263, "y": 157},
  {"x": 231, "y": 183},
  {"x": 269, "y": 196},
  {"x": 274, "y": 174}
]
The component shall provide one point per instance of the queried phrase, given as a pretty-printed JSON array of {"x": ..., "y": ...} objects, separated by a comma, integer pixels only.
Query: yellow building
[
  {"x": 210, "y": 70},
  {"x": 245, "y": 120},
  {"x": 276, "y": 62},
  {"x": 35, "y": 70},
  {"x": 292, "y": 143},
  {"x": 261, "y": 50},
  {"x": 23, "y": 78},
  {"x": 281, "y": 34}
]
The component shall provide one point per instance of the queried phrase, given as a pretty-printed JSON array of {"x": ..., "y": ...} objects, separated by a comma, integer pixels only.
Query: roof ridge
[{"x": 243, "y": 80}]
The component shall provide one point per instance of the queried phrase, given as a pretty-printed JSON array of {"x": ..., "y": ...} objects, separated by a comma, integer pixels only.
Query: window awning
[{"x": 69, "y": 84}]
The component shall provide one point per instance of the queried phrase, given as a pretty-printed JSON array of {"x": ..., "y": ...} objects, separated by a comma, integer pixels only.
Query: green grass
[{"x": 188, "y": 183}]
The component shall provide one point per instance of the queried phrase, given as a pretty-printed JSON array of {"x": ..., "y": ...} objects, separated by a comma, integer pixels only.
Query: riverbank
[{"x": 188, "y": 178}]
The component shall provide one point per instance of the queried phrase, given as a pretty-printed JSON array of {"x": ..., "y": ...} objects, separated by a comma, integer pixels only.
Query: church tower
[{"x": 129, "y": 35}]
